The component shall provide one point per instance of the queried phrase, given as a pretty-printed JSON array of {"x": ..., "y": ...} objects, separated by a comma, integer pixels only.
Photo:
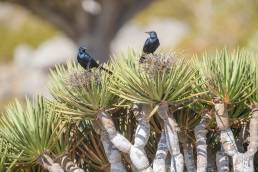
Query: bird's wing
[
  {"x": 146, "y": 45},
  {"x": 156, "y": 44},
  {"x": 93, "y": 63}
]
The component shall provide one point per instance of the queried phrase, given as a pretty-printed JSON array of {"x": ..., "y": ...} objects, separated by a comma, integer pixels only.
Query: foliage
[
  {"x": 6, "y": 162},
  {"x": 160, "y": 78},
  {"x": 81, "y": 94},
  {"x": 225, "y": 75},
  {"x": 32, "y": 130}
]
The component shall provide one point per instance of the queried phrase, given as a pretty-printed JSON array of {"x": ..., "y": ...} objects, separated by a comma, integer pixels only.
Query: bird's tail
[{"x": 106, "y": 70}]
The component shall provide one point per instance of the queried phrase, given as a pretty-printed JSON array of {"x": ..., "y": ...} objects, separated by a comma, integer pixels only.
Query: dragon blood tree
[
  {"x": 163, "y": 82},
  {"x": 231, "y": 81},
  {"x": 164, "y": 113}
]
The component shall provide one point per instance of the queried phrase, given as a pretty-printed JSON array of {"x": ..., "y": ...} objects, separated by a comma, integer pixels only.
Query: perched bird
[
  {"x": 150, "y": 45},
  {"x": 88, "y": 62}
]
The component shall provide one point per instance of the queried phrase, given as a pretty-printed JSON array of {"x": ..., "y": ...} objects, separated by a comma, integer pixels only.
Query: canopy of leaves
[
  {"x": 31, "y": 130},
  {"x": 226, "y": 75},
  {"x": 160, "y": 78},
  {"x": 81, "y": 94}
]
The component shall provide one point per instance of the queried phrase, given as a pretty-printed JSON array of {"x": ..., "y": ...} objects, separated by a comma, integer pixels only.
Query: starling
[
  {"x": 88, "y": 62},
  {"x": 150, "y": 45}
]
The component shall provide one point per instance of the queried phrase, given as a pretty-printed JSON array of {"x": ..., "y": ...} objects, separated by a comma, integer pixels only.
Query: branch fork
[
  {"x": 135, "y": 151},
  {"x": 242, "y": 162}
]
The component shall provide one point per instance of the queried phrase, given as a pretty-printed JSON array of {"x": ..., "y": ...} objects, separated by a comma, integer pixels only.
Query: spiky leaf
[
  {"x": 161, "y": 77},
  {"x": 31, "y": 130},
  {"x": 225, "y": 75},
  {"x": 80, "y": 94}
]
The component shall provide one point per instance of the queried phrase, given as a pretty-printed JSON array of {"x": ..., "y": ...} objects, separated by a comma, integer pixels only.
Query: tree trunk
[
  {"x": 48, "y": 164},
  {"x": 159, "y": 163},
  {"x": 221, "y": 115},
  {"x": 200, "y": 133},
  {"x": 171, "y": 129},
  {"x": 222, "y": 161},
  {"x": 112, "y": 153},
  {"x": 68, "y": 165},
  {"x": 137, "y": 156},
  {"x": 241, "y": 161},
  {"x": 142, "y": 132},
  {"x": 189, "y": 157},
  {"x": 244, "y": 162},
  {"x": 226, "y": 136}
]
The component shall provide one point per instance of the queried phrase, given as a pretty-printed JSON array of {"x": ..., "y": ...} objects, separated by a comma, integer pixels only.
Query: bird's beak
[{"x": 147, "y": 32}]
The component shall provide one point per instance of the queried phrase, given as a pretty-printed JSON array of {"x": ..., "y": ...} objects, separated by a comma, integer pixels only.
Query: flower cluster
[
  {"x": 82, "y": 79},
  {"x": 155, "y": 63}
]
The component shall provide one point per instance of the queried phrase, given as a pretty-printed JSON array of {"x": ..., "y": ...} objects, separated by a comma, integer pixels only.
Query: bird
[
  {"x": 150, "y": 45},
  {"x": 87, "y": 61}
]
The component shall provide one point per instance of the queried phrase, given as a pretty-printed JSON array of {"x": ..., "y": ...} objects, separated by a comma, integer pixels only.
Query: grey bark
[
  {"x": 242, "y": 162},
  {"x": 48, "y": 164},
  {"x": 95, "y": 30},
  {"x": 222, "y": 161},
  {"x": 142, "y": 132},
  {"x": 159, "y": 163},
  {"x": 189, "y": 157},
  {"x": 68, "y": 165},
  {"x": 171, "y": 129},
  {"x": 112, "y": 153},
  {"x": 200, "y": 133},
  {"x": 137, "y": 155}
]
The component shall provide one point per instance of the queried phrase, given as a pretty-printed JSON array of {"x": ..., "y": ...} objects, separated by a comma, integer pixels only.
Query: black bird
[
  {"x": 88, "y": 62},
  {"x": 150, "y": 45}
]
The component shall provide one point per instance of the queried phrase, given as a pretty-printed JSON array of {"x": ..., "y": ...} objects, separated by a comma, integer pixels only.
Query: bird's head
[
  {"x": 82, "y": 50},
  {"x": 152, "y": 34}
]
